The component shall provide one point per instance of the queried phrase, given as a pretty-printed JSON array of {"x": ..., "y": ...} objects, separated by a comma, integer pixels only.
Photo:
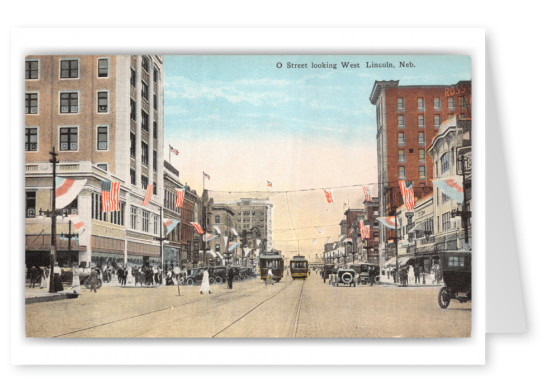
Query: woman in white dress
[
  {"x": 130, "y": 277},
  {"x": 205, "y": 286}
]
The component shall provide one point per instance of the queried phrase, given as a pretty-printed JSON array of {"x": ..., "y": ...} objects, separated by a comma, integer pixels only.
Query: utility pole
[
  {"x": 53, "y": 251},
  {"x": 161, "y": 239}
]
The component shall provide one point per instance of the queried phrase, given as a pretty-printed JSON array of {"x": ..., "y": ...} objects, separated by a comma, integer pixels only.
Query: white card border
[{"x": 247, "y": 352}]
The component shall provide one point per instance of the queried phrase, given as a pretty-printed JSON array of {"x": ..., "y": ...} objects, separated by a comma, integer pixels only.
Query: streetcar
[
  {"x": 273, "y": 261},
  {"x": 299, "y": 267}
]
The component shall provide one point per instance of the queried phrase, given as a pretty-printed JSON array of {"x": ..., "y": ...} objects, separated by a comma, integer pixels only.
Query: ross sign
[{"x": 464, "y": 153}]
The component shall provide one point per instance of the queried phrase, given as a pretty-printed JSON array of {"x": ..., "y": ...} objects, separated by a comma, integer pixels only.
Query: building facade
[
  {"x": 408, "y": 117},
  {"x": 104, "y": 117}
]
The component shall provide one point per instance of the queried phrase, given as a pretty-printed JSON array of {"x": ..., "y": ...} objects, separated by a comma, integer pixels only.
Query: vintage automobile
[
  {"x": 366, "y": 274},
  {"x": 344, "y": 276},
  {"x": 456, "y": 272},
  {"x": 195, "y": 276},
  {"x": 219, "y": 273},
  {"x": 327, "y": 271}
]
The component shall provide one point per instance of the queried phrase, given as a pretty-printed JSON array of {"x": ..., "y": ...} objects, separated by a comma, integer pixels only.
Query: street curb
[{"x": 51, "y": 297}]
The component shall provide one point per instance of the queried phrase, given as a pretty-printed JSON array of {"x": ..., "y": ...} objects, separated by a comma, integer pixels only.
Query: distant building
[{"x": 371, "y": 245}]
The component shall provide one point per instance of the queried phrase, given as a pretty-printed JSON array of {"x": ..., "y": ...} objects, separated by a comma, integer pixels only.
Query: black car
[
  {"x": 195, "y": 276},
  {"x": 220, "y": 274}
]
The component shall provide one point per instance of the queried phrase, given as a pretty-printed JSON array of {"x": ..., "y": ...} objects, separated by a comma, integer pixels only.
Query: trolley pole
[{"x": 53, "y": 251}]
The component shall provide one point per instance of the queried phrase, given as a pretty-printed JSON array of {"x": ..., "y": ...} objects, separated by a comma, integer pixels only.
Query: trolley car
[
  {"x": 456, "y": 271},
  {"x": 299, "y": 267},
  {"x": 271, "y": 260}
]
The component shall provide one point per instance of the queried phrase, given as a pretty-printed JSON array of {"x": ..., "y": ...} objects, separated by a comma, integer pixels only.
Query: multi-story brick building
[
  {"x": 408, "y": 117},
  {"x": 371, "y": 245},
  {"x": 104, "y": 116}
]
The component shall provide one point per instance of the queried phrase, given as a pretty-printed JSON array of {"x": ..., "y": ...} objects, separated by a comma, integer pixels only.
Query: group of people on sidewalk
[{"x": 414, "y": 275}]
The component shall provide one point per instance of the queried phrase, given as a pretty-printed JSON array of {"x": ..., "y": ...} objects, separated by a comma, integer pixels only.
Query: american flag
[
  {"x": 110, "y": 196},
  {"x": 198, "y": 228},
  {"x": 329, "y": 195},
  {"x": 367, "y": 193},
  {"x": 180, "y": 194},
  {"x": 148, "y": 195},
  {"x": 269, "y": 183},
  {"x": 206, "y": 175},
  {"x": 173, "y": 150},
  {"x": 365, "y": 230},
  {"x": 407, "y": 194}
]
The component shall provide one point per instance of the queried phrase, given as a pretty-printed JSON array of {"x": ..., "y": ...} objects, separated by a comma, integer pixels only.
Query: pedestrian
[
  {"x": 58, "y": 285},
  {"x": 93, "y": 280},
  {"x": 270, "y": 278},
  {"x": 230, "y": 278},
  {"x": 205, "y": 285},
  {"x": 417, "y": 274},
  {"x": 45, "y": 280}
]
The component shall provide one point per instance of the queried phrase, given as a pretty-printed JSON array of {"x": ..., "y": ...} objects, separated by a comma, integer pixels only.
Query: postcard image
[{"x": 248, "y": 196}]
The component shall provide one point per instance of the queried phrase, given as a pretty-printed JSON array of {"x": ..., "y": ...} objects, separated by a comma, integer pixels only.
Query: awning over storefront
[{"x": 391, "y": 262}]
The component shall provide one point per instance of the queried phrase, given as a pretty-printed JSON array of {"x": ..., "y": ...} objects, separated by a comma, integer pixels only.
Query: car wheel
[
  {"x": 444, "y": 297},
  {"x": 347, "y": 278},
  {"x": 236, "y": 278},
  {"x": 219, "y": 280},
  {"x": 189, "y": 282},
  {"x": 211, "y": 280}
]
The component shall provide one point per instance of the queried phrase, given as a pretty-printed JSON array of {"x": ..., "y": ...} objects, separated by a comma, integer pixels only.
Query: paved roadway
[{"x": 287, "y": 309}]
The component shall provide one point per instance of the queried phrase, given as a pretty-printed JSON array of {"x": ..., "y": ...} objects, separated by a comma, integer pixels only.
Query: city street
[{"x": 286, "y": 310}]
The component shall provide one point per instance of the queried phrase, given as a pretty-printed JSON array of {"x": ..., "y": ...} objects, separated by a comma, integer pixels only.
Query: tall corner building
[
  {"x": 104, "y": 116},
  {"x": 408, "y": 118}
]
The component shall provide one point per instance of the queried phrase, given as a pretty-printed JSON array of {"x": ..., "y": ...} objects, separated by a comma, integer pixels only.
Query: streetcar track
[
  {"x": 297, "y": 316},
  {"x": 252, "y": 309},
  {"x": 136, "y": 316}
]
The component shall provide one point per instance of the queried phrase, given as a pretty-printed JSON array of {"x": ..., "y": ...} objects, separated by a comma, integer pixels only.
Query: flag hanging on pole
[
  {"x": 258, "y": 242},
  {"x": 217, "y": 229},
  {"x": 232, "y": 245},
  {"x": 329, "y": 195},
  {"x": 148, "y": 195},
  {"x": 197, "y": 228},
  {"x": 78, "y": 225},
  {"x": 407, "y": 194},
  {"x": 205, "y": 175},
  {"x": 234, "y": 232},
  {"x": 226, "y": 241},
  {"x": 367, "y": 193},
  {"x": 208, "y": 237},
  {"x": 66, "y": 190},
  {"x": 365, "y": 230},
  {"x": 246, "y": 251},
  {"x": 170, "y": 224},
  {"x": 388, "y": 221},
  {"x": 180, "y": 194},
  {"x": 110, "y": 196},
  {"x": 173, "y": 150},
  {"x": 211, "y": 252},
  {"x": 269, "y": 184}
]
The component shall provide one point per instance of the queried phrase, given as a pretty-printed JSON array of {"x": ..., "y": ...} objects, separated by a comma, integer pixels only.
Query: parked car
[
  {"x": 345, "y": 277},
  {"x": 195, "y": 276},
  {"x": 220, "y": 274}
]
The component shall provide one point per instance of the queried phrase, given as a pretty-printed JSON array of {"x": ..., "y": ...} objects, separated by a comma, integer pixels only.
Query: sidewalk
[
  {"x": 37, "y": 295},
  {"x": 428, "y": 283}
]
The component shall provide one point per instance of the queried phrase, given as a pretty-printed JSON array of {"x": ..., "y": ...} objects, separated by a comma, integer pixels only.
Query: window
[
  {"x": 421, "y": 104},
  {"x": 436, "y": 103},
  {"x": 155, "y": 130},
  {"x": 31, "y": 139},
  {"x": 103, "y": 166},
  {"x": 155, "y": 74},
  {"x": 31, "y": 69},
  {"x": 103, "y": 67},
  {"x": 446, "y": 223},
  {"x": 132, "y": 176},
  {"x": 217, "y": 219},
  {"x": 445, "y": 162},
  {"x": 155, "y": 188},
  {"x": 103, "y": 138},
  {"x": 68, "y": 139},
  {"x": 401, "y": 122},
  {"x": 402, "y": 172},
  {"x": 132, "y": 110},
  {"x": 68, "y": 102},
  {"x": 103, "y": 102},
  {"x": 145, "y": 90},
  {"x": 145, "y": 182},
  {"x": 436, "y": 120},
  {"x": 145, "y": 154},
  {"x": 133, "y": 217},
  {"x": 145, "y": 221},
  {"x": 30, "y": 204},
  {"x": 69, "y": 69},
  {"x": 445, "y": 198},
  {"x": 421, "y": 156},
  {"x": 132, "y": 145},
  {"x": 463, "y": 102},
  {"x": 145, "y": 63},
  {"x": 132, "y": 77},
  {"x": 401, "y": 138},
  {"x": 31, "y": 103},
  {"x": 400, "y": 104},
  {"x": 451, "y": 103},
  {"x": 421, "y": 120},
  {"x": 155, "y": 224},
  {"x": 422, "y": 172},
  {"x": 155, "y": 101},
  {"x": 401, "y": 156},
  {"x": 154, "y": 160},
  {"x": 145, "y": 121}
]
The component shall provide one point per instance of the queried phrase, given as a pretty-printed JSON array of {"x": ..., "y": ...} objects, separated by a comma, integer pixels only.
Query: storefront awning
[{"x": 391, "y": 262}]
